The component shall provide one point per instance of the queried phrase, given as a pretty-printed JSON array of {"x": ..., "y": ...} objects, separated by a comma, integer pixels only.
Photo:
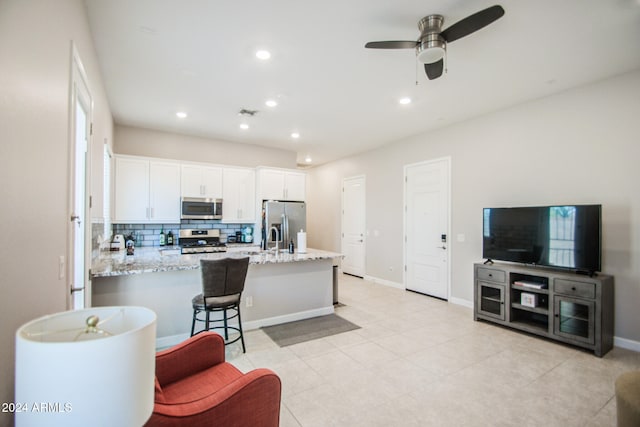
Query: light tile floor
[{"x": 420, "y": 361}]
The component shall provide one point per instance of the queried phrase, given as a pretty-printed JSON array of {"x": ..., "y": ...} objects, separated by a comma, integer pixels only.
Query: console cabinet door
[
  {"x": 574, "y": 319},
  {"x": 491, "y": 300}
]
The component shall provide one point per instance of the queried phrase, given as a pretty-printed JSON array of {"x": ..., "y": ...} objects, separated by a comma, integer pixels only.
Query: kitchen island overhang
[{"x": 279, "y": 288}]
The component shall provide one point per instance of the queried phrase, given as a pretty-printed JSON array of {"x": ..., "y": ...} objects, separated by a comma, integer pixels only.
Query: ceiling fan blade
[
  {"x": 472, "y": 23},
  {"x": 400, "y": 44},
  {"x": 434, "y": 70}
]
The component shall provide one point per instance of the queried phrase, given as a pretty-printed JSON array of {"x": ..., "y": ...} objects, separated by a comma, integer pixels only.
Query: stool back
[{"x": 222, "y": 277}]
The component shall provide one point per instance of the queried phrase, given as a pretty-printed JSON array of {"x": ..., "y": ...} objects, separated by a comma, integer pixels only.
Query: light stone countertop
[{"x": 151, "y": 260}]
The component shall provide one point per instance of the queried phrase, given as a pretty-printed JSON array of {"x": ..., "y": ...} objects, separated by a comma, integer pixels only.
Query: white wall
[
  {"x": 144, "y": 142},
  {"x": 580, "y": 146},
  {"x": 35, "y": 49}
]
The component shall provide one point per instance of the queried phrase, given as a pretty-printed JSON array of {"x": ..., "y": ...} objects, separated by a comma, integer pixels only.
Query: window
[{"x": 562, "y": 226}]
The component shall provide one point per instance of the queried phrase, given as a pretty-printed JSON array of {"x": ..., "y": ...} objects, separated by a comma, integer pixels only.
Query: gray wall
[
  {"x": 144, "y": 142},
  {"x": 580, "y": 146},
  {"x": 35, "y": 48}
]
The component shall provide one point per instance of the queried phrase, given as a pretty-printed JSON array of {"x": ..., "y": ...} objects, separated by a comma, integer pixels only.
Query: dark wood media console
[{"x": 562, "y": 306}]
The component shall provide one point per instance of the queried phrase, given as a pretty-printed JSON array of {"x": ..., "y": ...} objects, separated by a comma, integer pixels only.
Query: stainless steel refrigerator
[{"x": 288, "y": 218}]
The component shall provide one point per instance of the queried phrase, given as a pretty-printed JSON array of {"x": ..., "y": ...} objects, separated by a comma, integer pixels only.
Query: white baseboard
[
  {"x": 462, "y": 302},
  {"x": 169, "y": 341},
  {"x": 384, "y": 282},
  {"x": 626, "y": 343}
]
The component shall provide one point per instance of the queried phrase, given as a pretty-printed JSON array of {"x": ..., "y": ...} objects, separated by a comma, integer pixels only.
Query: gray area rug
[{"x": 308, "y": 329}]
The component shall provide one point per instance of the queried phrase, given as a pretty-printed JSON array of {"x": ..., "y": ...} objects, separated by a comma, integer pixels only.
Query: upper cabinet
[
  {"x": 146, "y": 190},
  {"x": 281, "y": 184},
  {"x": 238, "y": 195},
  {"x": 201, "y": 181}
]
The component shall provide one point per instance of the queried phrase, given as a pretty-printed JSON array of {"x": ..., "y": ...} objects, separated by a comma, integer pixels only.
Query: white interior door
[
  {"x": 79, "y": 232},
  {"x": 353, "y": 226},
  {"x": 427, "y": 228}
]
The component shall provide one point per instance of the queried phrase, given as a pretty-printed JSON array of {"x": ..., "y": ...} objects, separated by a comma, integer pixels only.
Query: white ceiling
[{"x": 162, "y": 56}]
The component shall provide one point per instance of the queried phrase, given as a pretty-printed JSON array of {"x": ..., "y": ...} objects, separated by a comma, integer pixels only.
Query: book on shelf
[{"x": 532, "y": 285}]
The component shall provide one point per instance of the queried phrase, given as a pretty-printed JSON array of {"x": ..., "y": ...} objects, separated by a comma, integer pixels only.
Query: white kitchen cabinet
[
  {"x": 146, "y": 190},
  {"x": 164, "y": 192},
  {"x": 280, "y": 184},
  {"x": 201, "y": 181},
  {"x": 238, "y": 195}
]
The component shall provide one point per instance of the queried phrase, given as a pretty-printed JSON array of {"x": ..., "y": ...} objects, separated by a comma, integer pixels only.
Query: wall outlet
[{"x": 249, "y": 301}]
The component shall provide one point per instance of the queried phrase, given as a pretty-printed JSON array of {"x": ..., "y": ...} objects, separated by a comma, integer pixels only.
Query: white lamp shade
[{"x": 70, "y": 378}]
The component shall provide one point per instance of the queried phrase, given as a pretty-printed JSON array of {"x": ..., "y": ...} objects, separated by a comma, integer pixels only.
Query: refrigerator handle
[{"x": 284, "y": 230}]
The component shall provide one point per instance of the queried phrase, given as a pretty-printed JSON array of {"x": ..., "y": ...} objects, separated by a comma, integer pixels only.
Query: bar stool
[{"x": 222, "y": 286}]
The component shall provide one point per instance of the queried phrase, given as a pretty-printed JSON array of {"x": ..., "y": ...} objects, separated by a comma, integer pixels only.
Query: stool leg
[
  {"x": 226, "y": 331},
  {"x": 193, "y": 321},
  {"x": 240, "y": 327},
  {"x": 206, "y": 317}
]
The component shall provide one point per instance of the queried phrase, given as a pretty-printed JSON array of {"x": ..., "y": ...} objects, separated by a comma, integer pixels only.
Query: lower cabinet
[
  {"x": 491, "y": 300},
  {"x": 558, "y": 305}
]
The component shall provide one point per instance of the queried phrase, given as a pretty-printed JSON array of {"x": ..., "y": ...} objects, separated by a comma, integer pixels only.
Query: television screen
[{"x": 555, "y": 236}]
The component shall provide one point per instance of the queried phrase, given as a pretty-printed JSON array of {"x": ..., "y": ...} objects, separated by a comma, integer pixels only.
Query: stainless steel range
[{"x": 200, "y": 241}]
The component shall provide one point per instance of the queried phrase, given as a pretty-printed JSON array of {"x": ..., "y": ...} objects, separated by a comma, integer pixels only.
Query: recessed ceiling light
[
  {"x": 295, "y": 135},
  {"x": 271, "y": 103},
  {"x": 181, "y": 115},
  {"x": 263, "y": 54},
  {"x": 404, "y": 101},
  {"x": 307, "y": 159},
  {"x": 244, "y": 126}
]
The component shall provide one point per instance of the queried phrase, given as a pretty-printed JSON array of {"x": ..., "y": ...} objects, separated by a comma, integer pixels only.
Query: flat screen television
[{"x": 567, "y": 237}]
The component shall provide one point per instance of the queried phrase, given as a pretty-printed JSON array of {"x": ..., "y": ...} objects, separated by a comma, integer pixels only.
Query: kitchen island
[{"x": 279, "y": 288}]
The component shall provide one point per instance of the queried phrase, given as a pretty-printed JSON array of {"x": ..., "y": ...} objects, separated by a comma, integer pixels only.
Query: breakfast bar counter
[
  {"x": 279, "y": 288},
  {"x": 153, "y": 260}
]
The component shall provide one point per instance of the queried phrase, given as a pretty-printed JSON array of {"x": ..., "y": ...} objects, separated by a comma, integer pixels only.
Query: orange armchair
[{"x": 196, "y": 387}]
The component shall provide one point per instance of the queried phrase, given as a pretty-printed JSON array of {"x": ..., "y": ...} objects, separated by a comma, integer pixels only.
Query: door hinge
[
  {"x": 405, "y": 268},
  {"x": 90, "y": 202},
  {"x": 91, "y": 128}
]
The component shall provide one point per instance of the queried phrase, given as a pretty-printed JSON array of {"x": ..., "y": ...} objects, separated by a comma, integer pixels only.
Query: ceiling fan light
[{"x": 431, "y": 50}]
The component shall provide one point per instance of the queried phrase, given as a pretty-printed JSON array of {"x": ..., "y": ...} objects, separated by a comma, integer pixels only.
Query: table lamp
[{"x": 86, "y": 367}]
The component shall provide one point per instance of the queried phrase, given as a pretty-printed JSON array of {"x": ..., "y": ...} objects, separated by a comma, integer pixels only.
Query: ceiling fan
[{"x": 432, "y": 44}]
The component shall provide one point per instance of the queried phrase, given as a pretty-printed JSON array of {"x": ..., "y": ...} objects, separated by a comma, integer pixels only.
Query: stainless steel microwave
[{"x": 201, "y": 208}]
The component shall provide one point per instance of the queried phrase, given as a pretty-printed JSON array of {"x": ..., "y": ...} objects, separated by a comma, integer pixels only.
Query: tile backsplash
[{"x": 149, "y": 234}]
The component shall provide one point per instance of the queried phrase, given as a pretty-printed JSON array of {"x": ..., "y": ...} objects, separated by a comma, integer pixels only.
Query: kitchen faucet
[{"x": 277, "y": 237}]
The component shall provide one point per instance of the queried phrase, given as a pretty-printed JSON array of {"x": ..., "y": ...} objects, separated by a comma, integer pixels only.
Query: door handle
[{"x": 443, "y": 247}]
